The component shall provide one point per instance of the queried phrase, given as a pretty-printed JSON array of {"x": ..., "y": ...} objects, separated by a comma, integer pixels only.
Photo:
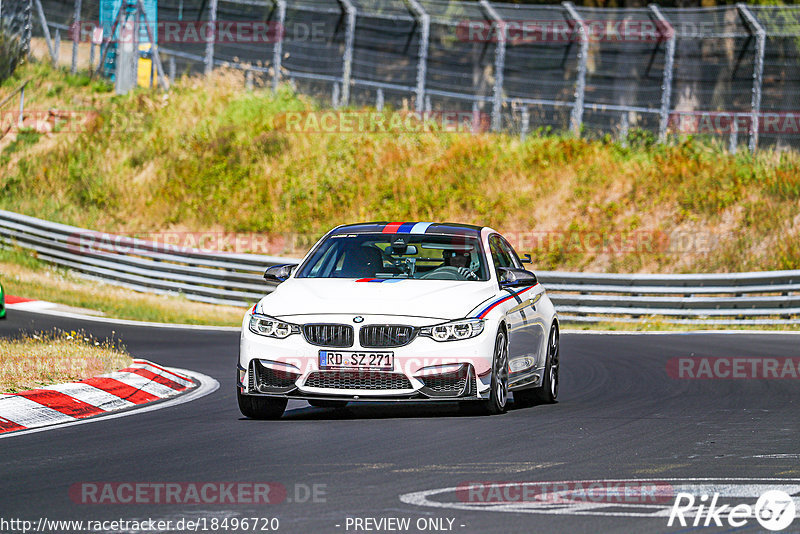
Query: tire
[
  {"x": 547, "y": 393},
  {"x": 498, "y": 396},
  {"x": 328, "y": 404},
  {"x": 261, "y": 407}
]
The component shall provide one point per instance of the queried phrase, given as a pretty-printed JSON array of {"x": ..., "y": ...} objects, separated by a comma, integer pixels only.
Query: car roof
[{"x": 408, "y": 228}]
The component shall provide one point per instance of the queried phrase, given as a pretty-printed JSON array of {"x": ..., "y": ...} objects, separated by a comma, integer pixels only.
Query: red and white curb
[{"x": 143, "y": 382}]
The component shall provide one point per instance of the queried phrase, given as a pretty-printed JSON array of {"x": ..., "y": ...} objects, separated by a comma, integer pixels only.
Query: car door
[{"x": 528, "y": 336}]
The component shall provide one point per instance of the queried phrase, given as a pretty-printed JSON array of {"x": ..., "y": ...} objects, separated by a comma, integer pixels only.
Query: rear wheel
[
  {"x": 260, "y": 407},
  {"x": 327, "y": 403}
]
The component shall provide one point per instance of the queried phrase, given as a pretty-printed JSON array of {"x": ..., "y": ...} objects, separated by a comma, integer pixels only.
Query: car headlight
[
  {"x": 454, "y": 330},
  {"x": 263, "y": 325}
]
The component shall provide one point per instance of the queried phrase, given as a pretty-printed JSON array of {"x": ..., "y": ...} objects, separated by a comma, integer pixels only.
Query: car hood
[{"x": 438, "y": 299}]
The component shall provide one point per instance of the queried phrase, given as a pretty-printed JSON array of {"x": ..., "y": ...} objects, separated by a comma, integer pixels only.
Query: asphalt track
[{"x": 620, "y": 416}]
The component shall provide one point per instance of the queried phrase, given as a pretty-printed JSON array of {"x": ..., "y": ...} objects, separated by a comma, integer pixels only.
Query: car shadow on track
[{"x": 377, "y": 410}]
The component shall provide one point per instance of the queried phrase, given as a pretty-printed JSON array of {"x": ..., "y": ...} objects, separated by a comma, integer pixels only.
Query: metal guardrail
[
  {"x": 217, "y": 278},
  {"x": 771, "y": 297}
]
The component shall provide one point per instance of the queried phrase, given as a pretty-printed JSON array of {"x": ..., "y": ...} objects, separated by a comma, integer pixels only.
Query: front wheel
[
  {"x": 260, "y": 407},
  {"x": 548, "y": 392},
  {"x": 498, "y": 396}
]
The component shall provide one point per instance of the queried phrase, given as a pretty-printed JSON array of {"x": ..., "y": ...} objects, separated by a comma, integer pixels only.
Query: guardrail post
[
  {"x": 347, "y": 58},
  {"x": 424, "y": 21},
  {"x": 277, "y": 49},
  {"x": 667, "y": 30},
  {"x": 46, "y": 31},
  {"x": 583, "y": 55},
  {"x": 212, "y": 20},
  {"x": 76, "y": 37},
  {"x": 754, "y": 26},
  {"x": 499, "y": 63}
]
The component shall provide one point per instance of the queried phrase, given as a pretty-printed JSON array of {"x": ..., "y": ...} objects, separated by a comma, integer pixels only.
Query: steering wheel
[{"x": 446, "y": 272}]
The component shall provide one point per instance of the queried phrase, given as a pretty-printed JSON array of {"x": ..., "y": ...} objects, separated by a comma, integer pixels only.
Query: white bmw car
[{"x": 400, "y": 312}]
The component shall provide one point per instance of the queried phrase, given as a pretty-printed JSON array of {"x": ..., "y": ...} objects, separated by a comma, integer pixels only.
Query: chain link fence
[
  {"x": 731, "y": 72},
  {"x": 15, "y": 34}
]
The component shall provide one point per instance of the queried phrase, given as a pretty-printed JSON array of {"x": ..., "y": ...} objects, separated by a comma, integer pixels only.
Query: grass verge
[
  {"x": 45, "y": 358},
  {"x": 25, "y": 276}
]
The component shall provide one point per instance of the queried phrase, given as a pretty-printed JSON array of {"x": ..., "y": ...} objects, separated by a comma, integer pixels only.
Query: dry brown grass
[{"x": 45, "y": 358}]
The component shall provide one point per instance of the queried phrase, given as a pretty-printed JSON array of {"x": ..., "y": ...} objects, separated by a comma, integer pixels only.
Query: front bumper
[{"x": 424, "y": 369}]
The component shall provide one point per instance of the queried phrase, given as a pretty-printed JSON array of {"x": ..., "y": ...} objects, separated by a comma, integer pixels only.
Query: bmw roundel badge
[{"x": 358, "y": 319}]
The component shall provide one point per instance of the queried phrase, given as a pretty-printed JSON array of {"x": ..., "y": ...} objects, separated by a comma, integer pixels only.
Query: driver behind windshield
[{"x": 460, "y": 259}]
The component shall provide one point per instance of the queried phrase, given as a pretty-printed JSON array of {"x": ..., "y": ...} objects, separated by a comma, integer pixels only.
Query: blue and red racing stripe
[
  {"x": 483, "y": 313},
  {"x": 390, "y": 280}
]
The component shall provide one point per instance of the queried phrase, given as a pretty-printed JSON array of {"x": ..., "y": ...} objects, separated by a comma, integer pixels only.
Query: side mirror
[
  {"x": 279, "y": 273},
  {"x": 526, "y": 258},
  {"x": 516, "y": 278}
]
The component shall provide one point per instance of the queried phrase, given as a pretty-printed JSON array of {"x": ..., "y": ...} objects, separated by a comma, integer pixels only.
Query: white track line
[
  {"x": 207, "y": 386},
  {"x": 124, "y": 322}
]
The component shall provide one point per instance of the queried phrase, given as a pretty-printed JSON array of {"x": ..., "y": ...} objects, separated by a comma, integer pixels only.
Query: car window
[
  {"x": 509, "y": 252},
  {"x": 500, "y": 254},
  {"x": 416, "y": 256}
]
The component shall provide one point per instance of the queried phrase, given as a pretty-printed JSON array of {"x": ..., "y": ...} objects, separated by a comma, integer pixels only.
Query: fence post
[
  {"x": 758, "y": 71},
  {"x": 212, "y": 20},
  {"x": 76, "y": 37},
  {"x": 57, "y": 47},
  {"x": 46, "y": 31},
  {"x": 347, "y": 58},
  {"x": 424, "y": 21},
  {"x": 667, "y": 30},
  {"x": 21, "y": 105},
  {"x": 26, "y": 34},
  {"x": 499, "y": 64},
  {"x": 277, "y": 49},
  {"x": 583, "y": 55}
]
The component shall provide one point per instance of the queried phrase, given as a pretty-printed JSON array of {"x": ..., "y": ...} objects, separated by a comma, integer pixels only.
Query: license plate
[{"x": 355, "y": 360}]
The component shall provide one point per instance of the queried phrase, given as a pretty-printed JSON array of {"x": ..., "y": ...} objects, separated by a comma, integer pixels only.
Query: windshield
[{"x": 398, "y": 256}]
